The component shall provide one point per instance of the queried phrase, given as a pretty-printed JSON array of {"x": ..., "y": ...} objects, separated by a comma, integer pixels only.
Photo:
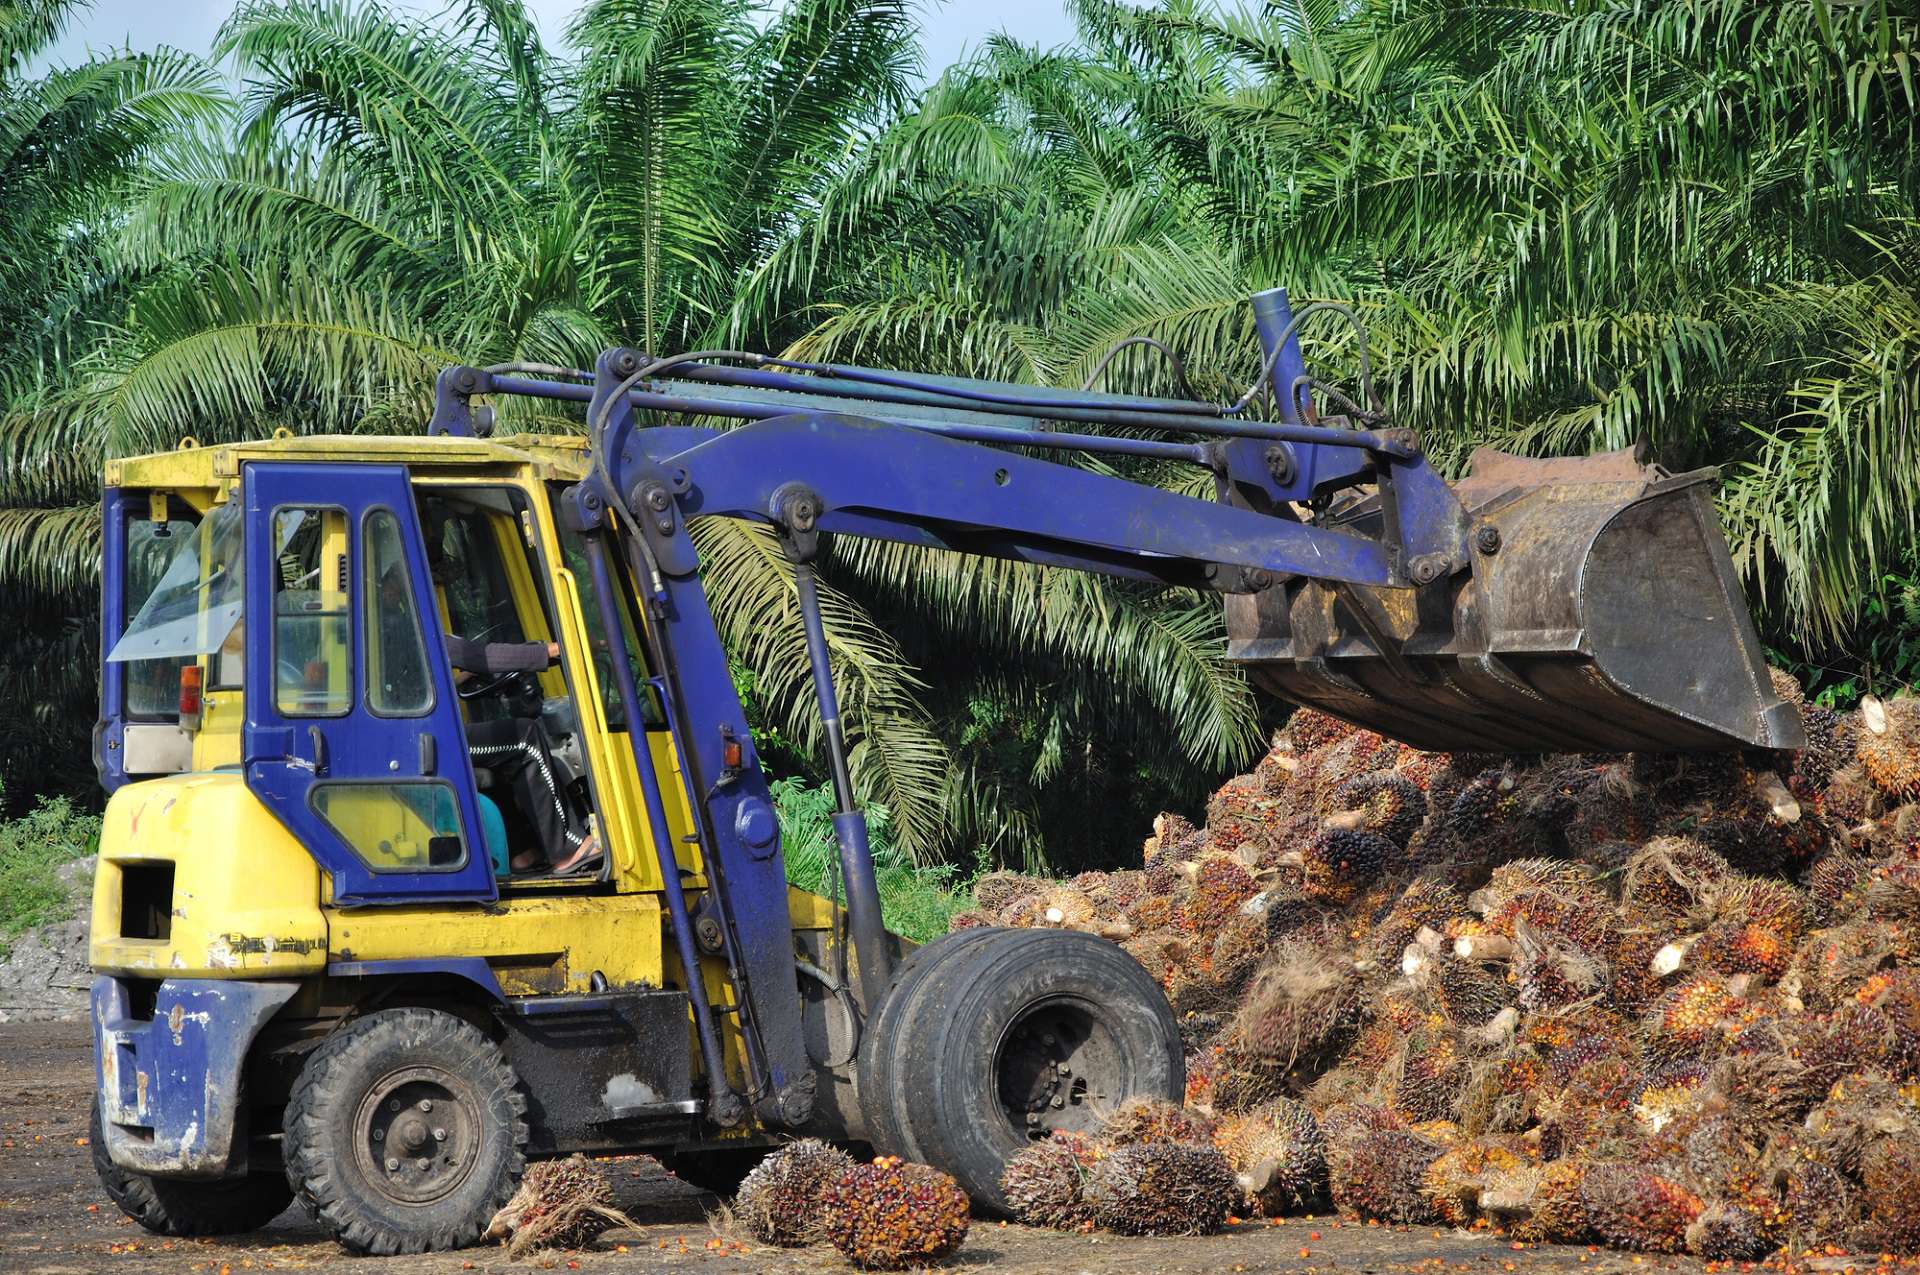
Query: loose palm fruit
[
  {"x": 890, "y": 1215},
  {"x": 1161, "y": 1188},
  {"x": 780, "y": 1201}
]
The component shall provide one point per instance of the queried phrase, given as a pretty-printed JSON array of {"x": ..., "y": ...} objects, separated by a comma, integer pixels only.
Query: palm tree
[{"x": 71, "y": 141}]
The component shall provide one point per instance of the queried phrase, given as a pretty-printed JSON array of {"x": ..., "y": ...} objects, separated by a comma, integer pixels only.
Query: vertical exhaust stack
[{"x": 1599, "y": 611}]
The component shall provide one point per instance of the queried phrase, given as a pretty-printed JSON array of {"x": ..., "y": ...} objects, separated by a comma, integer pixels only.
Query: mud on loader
[{"x": 335, "y": 961}]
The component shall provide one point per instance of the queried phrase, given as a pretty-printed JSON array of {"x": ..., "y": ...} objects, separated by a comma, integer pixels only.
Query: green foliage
[
  {"x": 916, "y": 903},
  {"x": 32, "y": 848}
]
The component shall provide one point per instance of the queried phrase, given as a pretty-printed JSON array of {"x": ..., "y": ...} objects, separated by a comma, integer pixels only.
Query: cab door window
[
  {"x": 397, "y": 682},
  {"x": 312, "y": 642}
]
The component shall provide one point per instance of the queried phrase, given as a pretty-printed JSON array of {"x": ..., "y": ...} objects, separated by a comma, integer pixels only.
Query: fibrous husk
[
  {"x": 779, "y": 1201},
  {"x": 1300, "y": 1001},
  {"x": 1139, "y": 1121},
  {"x": 1161, "y": 1188},
  {"x": 1044, "y": 1185},
  {"x": 559, "y": 1204}
]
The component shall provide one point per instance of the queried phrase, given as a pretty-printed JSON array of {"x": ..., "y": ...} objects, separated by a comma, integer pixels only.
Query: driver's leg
[{"x": 515, "y": 750}]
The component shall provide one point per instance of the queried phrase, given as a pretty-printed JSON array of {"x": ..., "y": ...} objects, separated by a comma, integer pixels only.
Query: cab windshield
[{"x": 199, "y": 596}]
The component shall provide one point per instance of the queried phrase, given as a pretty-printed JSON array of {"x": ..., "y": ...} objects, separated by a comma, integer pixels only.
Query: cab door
[{"x": 353, "y": 735}]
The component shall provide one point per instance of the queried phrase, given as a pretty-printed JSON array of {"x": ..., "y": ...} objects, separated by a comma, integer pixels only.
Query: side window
[
  {"x": 312, "y": 642},
  {"x": 397, "y": 684},
  {"x": 153, "y": 685},
  {"x": 395, "y": 827}
]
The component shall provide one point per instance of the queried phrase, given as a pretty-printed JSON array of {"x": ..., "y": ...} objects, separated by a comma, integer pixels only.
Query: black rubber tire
[
  {"x": 188, "y": 1207},
  {"x": 330, "y": 1167},
  {"x": 975, "y": 1025},
  {"x": 718, "y": 1172},
  {"x": 888, "y": 1037}
]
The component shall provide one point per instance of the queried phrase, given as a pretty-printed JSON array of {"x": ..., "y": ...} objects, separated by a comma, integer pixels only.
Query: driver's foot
[
  {"x": 526, "y": 861},
  {"x": 585, "y": 857}
]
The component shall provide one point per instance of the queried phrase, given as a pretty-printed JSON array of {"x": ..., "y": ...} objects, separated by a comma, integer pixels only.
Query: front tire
[
  {"x": 185, "y": 1207},
  {"x": 405, "y": 1132}
]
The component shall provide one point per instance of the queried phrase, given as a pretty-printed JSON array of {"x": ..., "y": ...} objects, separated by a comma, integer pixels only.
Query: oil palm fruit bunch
[
  {"x": 1888, "y": 746},
  {"x": 1309, "y": 730},
  {"x": 1161, "y": 1188},
  {"x": 1216, "y": 886},
  {"x": 1461, "y": 1174},
  {"x": 1044, "y": 1184},
  {"x": 1668, "y": 879},
  {"x": 559, "y": 1204},
  {"x": 1544, "y": 1205},
  {"x": 780, "y": 1202},
  {"x": 1338, "y": 863},
  {"x": 1731, "y": 1231},
  {"x": 1383, "y": 802},
  {"x": 1145, "y": 1120},
  {"x": 1634, "y": 1207},
  {"x": 1300, "y": 1003},
  {"x": 1279, "y": 1156},
  {"x": 997, "y": 891},
  {"x": 890, "y": 1215},
  {"x": 1381, "y": 1174}
]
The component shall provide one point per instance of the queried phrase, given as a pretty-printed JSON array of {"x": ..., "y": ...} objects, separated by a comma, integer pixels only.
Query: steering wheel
[{"x": 479, "y": 686}]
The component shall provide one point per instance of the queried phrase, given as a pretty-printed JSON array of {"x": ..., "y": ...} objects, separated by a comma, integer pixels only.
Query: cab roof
[{"x": 561, "y": 457}]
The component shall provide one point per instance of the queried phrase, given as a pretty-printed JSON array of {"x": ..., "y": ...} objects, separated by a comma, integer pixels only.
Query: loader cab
[{"x": 292, "y": 626}]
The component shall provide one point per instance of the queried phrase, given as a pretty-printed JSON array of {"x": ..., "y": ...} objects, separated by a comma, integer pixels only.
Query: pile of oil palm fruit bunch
[
  {"x": 1668, "y": 1003},
  {"x": 884, "y": 1215}
]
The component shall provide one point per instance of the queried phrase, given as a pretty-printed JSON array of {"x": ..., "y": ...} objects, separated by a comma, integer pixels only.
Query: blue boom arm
[{"x": 917, "y": 460}]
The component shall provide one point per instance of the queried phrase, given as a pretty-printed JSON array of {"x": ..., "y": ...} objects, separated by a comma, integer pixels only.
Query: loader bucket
[{"x": 1605, "y": 618}]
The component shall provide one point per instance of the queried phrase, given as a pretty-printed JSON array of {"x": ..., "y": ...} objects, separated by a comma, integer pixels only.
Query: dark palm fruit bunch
[
  {"x": 1325, "y": 772},
  {"x": 1729, "y": 1231},
  {"x": 1382, "y": 1174},
  {"x": 1467, "y": 992},
  {"x": 1285, "y": 908},
  {"x": 1280, "y": 1155},
  {"x": 1144, "y": 1120},
  {"x": 1633, "y": 1207},
  {"x": 1240, "y": 944},
  {"x": 1044, "y": 1184},
  {"x": 1830, "y": 745},
  {"x": 1161, "y": 1188},
  {"x": 1833, "y": 882},
  {"x": 890, "y": 1215},
  {"x": 780, "y": 1200},
  {"x": 1888, "y": 746},
  {"x": 1816, "y": 1199},
  {"x": 1339, "y": 862},
  {"x": 1851, "y": 798},
  {"x": 1426, "y": 903},
  {"x": 1382, "y": 802},
  {"x": 1300, "y": 1002},
  {"x": 1431, "y": 1071}
]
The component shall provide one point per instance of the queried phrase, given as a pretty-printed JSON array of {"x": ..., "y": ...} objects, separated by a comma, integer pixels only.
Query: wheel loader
[{"x": 437, "y": 840}]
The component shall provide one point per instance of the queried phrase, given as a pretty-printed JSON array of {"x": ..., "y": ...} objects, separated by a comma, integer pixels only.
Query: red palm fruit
[
  {"x": 889, "y": 1215},
  {"x": 1339, "y": 863},
  {"x": 1219, "y": 884},
  {"x": 1633, "y": 1207}
]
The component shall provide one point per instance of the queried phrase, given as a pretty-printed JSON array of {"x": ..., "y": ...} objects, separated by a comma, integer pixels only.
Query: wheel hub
[
  {"x": 1053, "y": 1069},
  {"x": 417, "y": 1134}
]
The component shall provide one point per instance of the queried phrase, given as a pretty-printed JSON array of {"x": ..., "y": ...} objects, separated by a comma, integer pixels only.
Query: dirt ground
[{"x": 55, "y": 1218}]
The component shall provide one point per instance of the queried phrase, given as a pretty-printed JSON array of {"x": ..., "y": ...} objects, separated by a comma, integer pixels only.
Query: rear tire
[
  {"x": 889, "y": 1036},
  {"x": 184, "y": 1207},
  {"x": 405, "y": 1132},
  {"x": 1018, "y": 1034}
]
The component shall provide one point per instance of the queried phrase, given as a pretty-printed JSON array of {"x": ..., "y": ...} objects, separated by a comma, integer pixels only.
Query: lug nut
[
  {"x": 393, "y": 1165},
  {"x": 439, "y": 1135},
  {"x": 426, "y": 1104},
  {"x": 379, "y": 1135}
]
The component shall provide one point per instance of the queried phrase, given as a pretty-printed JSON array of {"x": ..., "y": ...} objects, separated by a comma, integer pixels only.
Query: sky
[{"x": 950, "y": 27}]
